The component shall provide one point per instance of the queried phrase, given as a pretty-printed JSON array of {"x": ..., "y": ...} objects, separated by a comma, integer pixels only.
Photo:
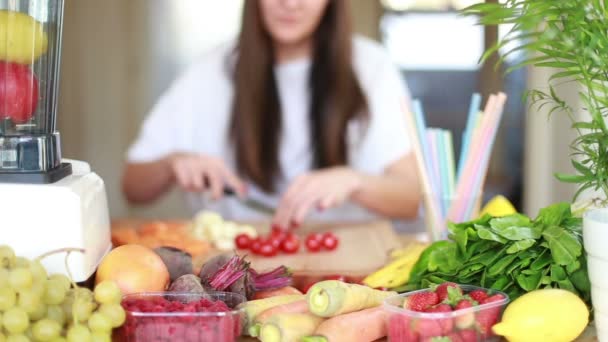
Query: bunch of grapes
[{"x": 37, "y": 307}]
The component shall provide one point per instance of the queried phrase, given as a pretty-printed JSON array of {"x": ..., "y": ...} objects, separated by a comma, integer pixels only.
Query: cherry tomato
[
  {"x": 268, "y": 250},
  {"x": 330, "y": 241},
  {"x": 307, "y": 287},
  {"x": 275, "y": 241},
  {"x": 256, "y": 245},
  {"x": 290, "y": 245},
  {"x": 242, "y": 241},
  {"x": 313, "y": 243}
]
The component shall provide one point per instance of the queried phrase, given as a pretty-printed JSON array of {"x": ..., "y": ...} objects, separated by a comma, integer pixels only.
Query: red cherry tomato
[
  {"x": 329, "y": 241},
  {"x": 275, "y": 241},
  {"x": 307, "y": 287},
  {"x": 313, "y": 244},
  {"x": 268, "y": 250},
  {"x": 291, "y": 245},
  {"x": 242, "y": 241},
  {"x": 256, "y": 246}
]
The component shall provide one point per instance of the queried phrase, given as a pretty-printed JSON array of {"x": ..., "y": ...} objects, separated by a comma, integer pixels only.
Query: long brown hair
[{"x": 336, "y": 96}]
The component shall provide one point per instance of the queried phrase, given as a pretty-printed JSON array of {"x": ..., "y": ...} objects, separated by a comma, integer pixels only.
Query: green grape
[
  {"x": 99, "y": 322},
  {"x": 58, "y": 339},
  {"x": 38, "y": 313},
  {"x": 29, "y": 301},
  {"x": 84, "y": 293},
  {"x": 115, "y": 313},
  {"x": 3, "y": 277},
  {"x": 2, "y": 337},
  {"x": 38, "y": 271},
  {"x": 38, "y": 289},
  {"x": 20, "y": 279},
  {"x": 101, "y": 337},
  {"x": 67, "y": 304},
  {"x": 82, "y": 309},
  {"x": 17, "y": 338},
  {"x": 78, "y": 333},
  {"x": 7, "y": 256},
  {"x": 15, "y": 320},
  {"x": 107, "y": 292},
  {"x": 61, "y": 279},
  {"x": 46, "y": 329},
  {"x": 55, "y": 292},
  {"x": 28, "y": 333},
  {"x": 8, "y": 298},
  {"x": 55, "y": 312},
  {"x": 21, "y": 262}
]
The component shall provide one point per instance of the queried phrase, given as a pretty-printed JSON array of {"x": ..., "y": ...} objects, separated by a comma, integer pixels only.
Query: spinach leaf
[
  {"x": 444, "y": 258},
  {"x": 580, "y": 279},
  {"x": 461, "y": 237},
  {"x": 515, "y": 220},
  {"x": 558, "y": 273},
  {"x": 565, "y": 247},
  {"x": 574, "y": 224},
  {"x": 543, "y": 261},
  {"x": 570, "y": 268},
  {"x": 554, "y": 215},
  {"x": 520, "y": 245},
  {"x": 501, "y": 283},
  {"x": 469, "y": 270},
  {"x": 472, "y": 234},
  {"x": 501, "y": 264},
  {"x": 566, "y": 284},
  {"x": 529, "y": 282},
  {"x": 545, "y": 280},
  {"x": 486, "y": 234}
]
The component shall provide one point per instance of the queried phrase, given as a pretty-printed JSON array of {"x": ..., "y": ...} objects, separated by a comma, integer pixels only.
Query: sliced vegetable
[
  {"x": 289, "y": 327},
  {"x": 331, "y": 298},
  {"x": 300, "y": 306},
  {"x": 255, "y": 307},
  {"x": 360, "y": 326}
]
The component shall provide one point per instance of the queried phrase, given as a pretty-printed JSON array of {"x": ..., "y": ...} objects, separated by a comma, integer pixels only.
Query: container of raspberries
[
  {"x": 448, "y": 312},
  {"x": 181, "y": 316}
]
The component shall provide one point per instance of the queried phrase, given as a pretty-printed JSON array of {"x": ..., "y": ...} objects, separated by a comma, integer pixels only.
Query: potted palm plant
[{"x": 571, "y": 38}]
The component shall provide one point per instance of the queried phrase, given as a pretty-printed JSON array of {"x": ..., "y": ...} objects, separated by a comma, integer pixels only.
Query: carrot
[
  {"x": 332, "y": 298},
  {"x": 255, "y": 307},
  {"x": 287, "y": 290},
  {"x": 300, "y": 306},
  {"x": 291, "y": 327},
  {"x": 359, "y": 326}
]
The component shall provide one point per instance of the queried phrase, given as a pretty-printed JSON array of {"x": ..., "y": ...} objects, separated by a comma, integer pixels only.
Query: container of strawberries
[
  {"x": 460, "y": 313},
  {"x": 181, "y": 316}
]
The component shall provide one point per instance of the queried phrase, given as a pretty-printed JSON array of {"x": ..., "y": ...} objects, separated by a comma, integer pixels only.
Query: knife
[{"x": 251, "y": 203}]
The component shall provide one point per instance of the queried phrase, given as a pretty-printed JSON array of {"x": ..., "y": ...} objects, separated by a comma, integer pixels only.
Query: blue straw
[
  {"x": 468, "y": 132},
  {"x": 421, "y": 128},
  {"x": 442, "y": 153}
]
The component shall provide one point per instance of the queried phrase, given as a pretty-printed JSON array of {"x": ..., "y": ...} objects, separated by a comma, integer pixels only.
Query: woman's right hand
[{"x": 197, "y": 173}]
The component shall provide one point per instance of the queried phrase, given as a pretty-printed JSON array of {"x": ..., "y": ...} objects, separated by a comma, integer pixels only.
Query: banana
[{"x": 397, "y": 272}]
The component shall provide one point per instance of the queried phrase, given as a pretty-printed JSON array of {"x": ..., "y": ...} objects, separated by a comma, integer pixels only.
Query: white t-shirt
[{"x": 194, "y": 116}]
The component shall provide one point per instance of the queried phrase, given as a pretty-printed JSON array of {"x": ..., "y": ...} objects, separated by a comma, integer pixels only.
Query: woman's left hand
[{"x": 319, "y": 190}]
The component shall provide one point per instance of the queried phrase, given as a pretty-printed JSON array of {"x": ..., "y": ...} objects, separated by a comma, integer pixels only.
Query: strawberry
[
  {"x": 438, "y": 339},
  {"x": 399, "y": 329},
  {"x": 478, "y": 295},
  {"x": 427, "y": 327},
  {"x": 442, "y": 290},
  {"x": 468, "y": 335},
  {"x": 486, "y": 318},
  {"x": 455, "y": 337},
  {"x": 421, "y": 301},
  {"x": 464, "y": 320},
  {"x": 446, "y": 323}
]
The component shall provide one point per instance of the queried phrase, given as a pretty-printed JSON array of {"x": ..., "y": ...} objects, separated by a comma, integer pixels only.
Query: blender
[{"x": 46, "y": 202}]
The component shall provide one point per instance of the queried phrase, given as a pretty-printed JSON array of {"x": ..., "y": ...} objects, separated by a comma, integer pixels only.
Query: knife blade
[{"x": 251, "y": 203}]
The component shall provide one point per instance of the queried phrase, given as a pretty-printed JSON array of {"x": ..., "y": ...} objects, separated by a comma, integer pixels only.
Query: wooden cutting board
[{"x": 362, "y": 249}]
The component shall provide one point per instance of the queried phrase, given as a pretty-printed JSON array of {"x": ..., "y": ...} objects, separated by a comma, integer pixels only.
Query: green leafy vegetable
[{"x": 513, "y": 254}]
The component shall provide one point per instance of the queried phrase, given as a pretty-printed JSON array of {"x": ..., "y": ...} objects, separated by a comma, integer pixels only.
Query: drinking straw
[
  {"x": 434, "y": 168},
  {"x": 432, "y": 210},
  {"x": 468, "y": 130},
  {"x": 442, "y": 153},
  {"x": 421, "y": 128},
  {"x": 456, "y": 212},
  {"x": 449, "y": 147},
  {"x": 485, "y": 158}
]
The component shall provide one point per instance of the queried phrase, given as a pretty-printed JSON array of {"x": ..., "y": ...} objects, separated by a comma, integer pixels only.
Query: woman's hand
[
  {"x": 320, "y": 190},
  {"x": 197, "y": 173}
]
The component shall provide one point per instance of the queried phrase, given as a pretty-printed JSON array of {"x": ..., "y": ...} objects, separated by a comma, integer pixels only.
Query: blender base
[{"x": 37, "y": 177}]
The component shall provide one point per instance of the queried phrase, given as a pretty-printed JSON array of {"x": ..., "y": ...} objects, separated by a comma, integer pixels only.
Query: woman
[{"x": 298, "y": 114}]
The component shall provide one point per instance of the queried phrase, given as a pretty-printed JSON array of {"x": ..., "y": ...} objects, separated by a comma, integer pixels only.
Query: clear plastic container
[
  {"x": 405, "y": 325},
  {"x": 184, "y": 326}
]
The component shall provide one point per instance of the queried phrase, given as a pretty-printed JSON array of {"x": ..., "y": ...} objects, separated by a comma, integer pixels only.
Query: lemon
[
  {"x": 548, "y": 315},
  {"x": 498, "y": 206},
  {"x": 22, "y": 38}
]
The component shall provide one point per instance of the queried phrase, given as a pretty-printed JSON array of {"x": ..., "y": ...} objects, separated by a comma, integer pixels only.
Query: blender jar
[{"x": 30, "y": 53}]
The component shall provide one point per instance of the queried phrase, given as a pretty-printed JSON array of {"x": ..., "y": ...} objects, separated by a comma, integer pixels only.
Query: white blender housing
[{"x": 46, "y": 203}]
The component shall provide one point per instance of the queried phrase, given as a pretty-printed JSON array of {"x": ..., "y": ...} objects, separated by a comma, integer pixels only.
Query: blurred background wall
[{"x": 119, "y": 56}]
